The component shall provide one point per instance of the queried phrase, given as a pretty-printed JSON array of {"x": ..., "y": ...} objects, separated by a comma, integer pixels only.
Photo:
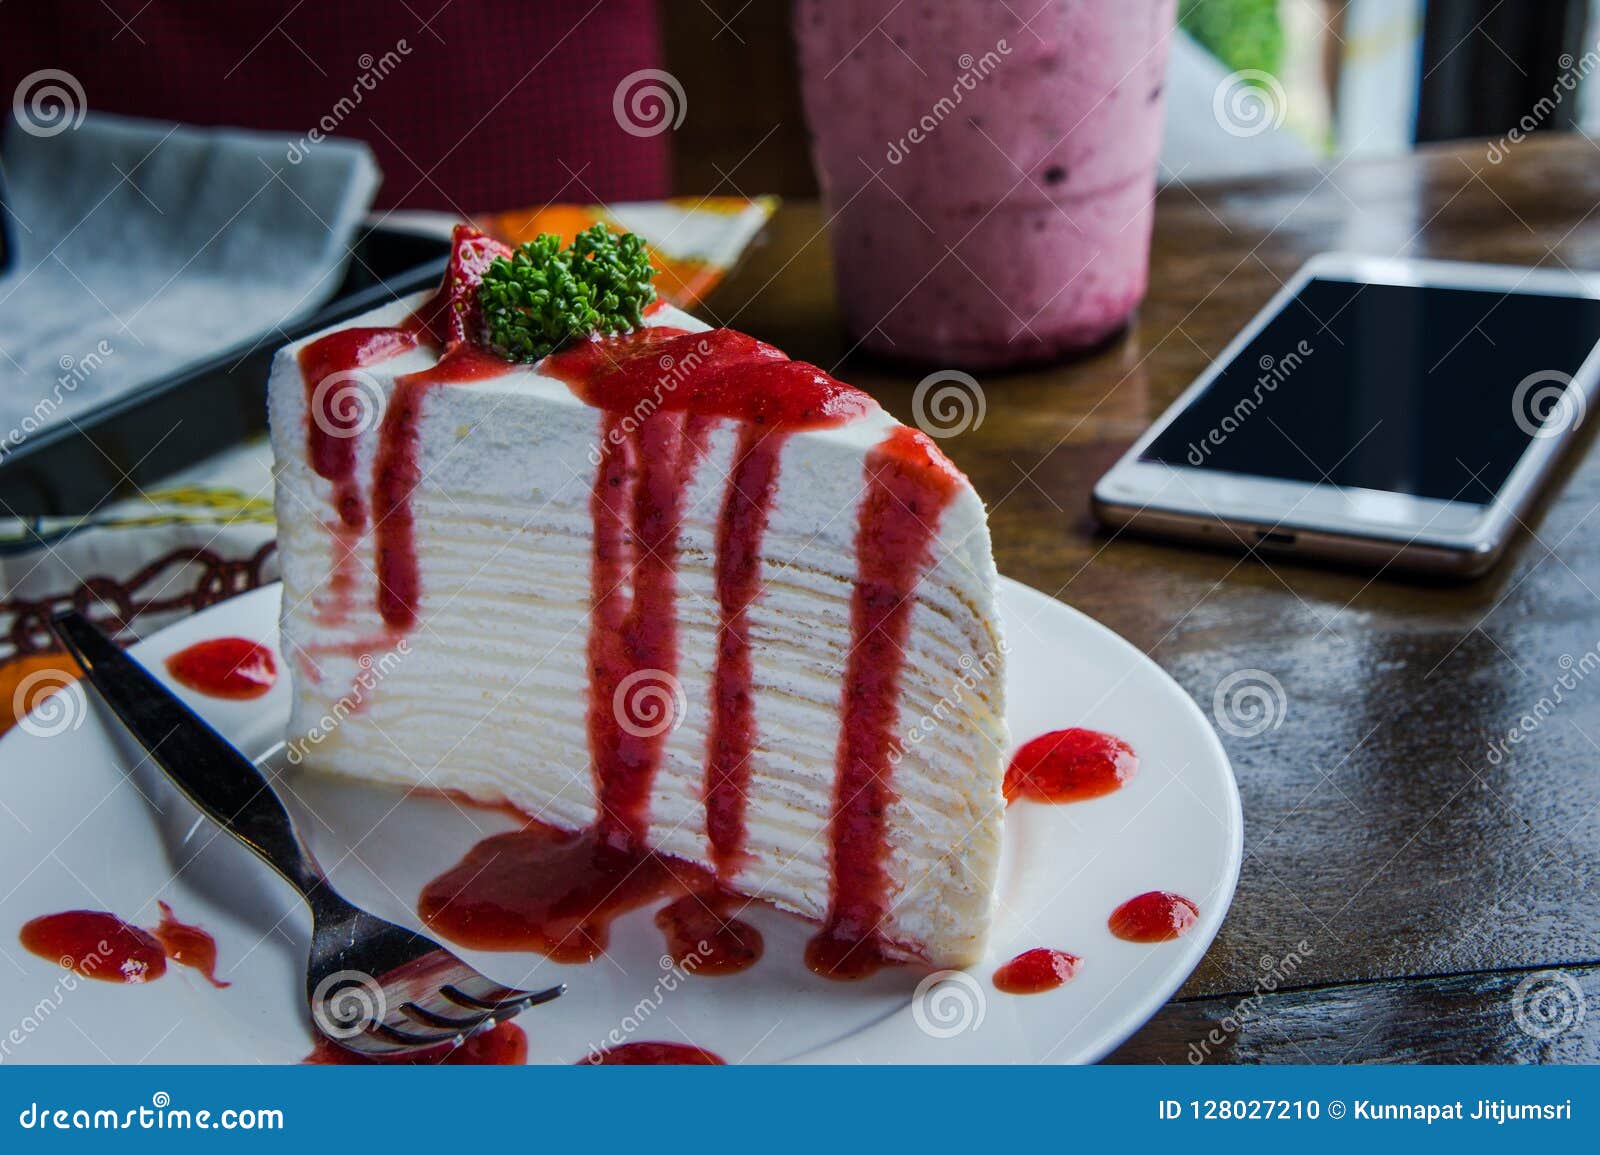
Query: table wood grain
[{"x": 1430, "y": 882}]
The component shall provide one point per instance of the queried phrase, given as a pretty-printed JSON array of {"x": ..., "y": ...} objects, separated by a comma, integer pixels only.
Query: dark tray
[{"x": 129, "y": 443}]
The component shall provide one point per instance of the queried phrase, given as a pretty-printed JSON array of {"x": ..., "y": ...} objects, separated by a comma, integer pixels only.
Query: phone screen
[{"x": 1433, "y": 392}]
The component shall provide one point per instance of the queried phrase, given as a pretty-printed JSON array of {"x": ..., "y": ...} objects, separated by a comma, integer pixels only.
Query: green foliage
[
  {"x": 1240, "y": 33},
  {"x": 544, "y": 296}
]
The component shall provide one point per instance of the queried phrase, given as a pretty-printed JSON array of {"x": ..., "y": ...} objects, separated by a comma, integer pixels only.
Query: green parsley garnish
[{"x": 544, "y": 296}]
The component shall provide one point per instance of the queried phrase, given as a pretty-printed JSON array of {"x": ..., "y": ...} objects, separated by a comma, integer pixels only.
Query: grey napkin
[{"x": 145, "y": 247}]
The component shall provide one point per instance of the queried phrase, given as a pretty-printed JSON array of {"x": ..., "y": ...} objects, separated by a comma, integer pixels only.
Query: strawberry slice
[{"x": 452, "y": 316}]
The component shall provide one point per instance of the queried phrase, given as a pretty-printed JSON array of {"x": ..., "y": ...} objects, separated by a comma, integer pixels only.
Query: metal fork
[{"x": 375, "y": 988}]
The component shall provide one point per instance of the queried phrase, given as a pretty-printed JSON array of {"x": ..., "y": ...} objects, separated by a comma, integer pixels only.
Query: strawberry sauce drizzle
[
  {"x": 732, "y": 737},
  {"x": 337, "y": 403},
  {"x": 1035, "y": 971},
  {"x": 633, "y": 643},
  {"x": 661, "y": 392},
  {"x": 232, "y": 668},
  {"x": 397, "y": 470},
  {"x": 340, "y": 405},
  {"x": 98, "y": 945},
  {"x": 188, "y": 945},
  {"x": 705, "y": 938},
  {"x": 1069, "y": 766},
  {"x": 1155, "y": 916},
  {"x": 546, "y": 890},
  {"x": 909, "y": 483},
  {"x": 682, "y": 383}
]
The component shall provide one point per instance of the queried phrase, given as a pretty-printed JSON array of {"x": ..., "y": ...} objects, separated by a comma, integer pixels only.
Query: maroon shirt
[{"x": 474, "y": 106}]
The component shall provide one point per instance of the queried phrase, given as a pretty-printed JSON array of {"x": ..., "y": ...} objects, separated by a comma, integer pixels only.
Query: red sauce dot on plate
[
  {"x": 225, "y": 668},
  {"x": 1155, "y": 916},
  {"x": 651, "y": 1055},
  {"x": 545, "y": 890},
  {"x": 503, "y": 1045},
  {"x": 97, "y": 945},
  {"x": 846, "y": 959},
  {"x": 704, "y": 937},
  {"x": 188, "y": 945},
  {"x": 1037, "y": 970},
  {"x": 1069, "y": 766}
]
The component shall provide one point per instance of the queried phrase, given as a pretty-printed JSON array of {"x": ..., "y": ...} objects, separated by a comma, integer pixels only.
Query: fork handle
[{"x": 222, "y": 782}]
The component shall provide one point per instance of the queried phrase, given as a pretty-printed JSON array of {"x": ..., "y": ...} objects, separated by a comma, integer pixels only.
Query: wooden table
[{"x": 1428, "y": 881}]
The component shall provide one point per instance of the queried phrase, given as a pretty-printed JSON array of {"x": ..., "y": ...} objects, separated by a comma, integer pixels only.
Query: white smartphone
[{"x": 1383, "y": 412}]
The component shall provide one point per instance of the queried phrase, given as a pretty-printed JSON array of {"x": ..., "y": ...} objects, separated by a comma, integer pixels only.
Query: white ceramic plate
[{"x": 86, "y": 822}]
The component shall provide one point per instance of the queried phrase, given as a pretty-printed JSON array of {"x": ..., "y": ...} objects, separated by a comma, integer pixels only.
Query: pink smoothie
[{"x": 988, "y": 177}]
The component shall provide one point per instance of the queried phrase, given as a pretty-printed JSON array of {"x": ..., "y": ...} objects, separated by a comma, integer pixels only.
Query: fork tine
[
  {"x": 480, "y": 989},
  {"x": 407, "y": 1038},
  {"x": 519, "y": 999},
  {"x": 434, "y": 1019}
]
